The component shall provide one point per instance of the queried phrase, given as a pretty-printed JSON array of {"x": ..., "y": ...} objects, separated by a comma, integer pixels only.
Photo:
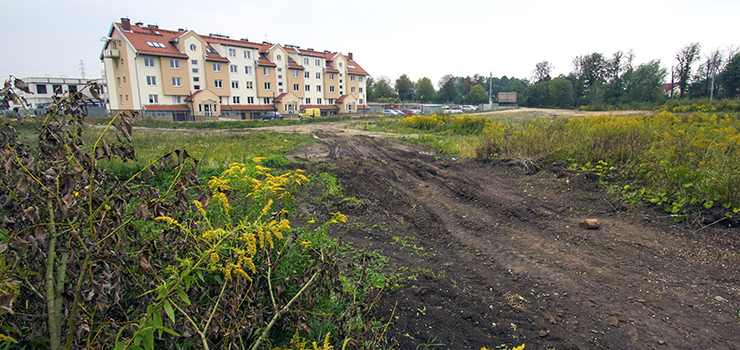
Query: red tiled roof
[
  {"x": 330, "y": 68},
  {"x": 231, "y": 42},
  {"x": 357, "y": 70},
  {"x": 191, "y": 97},
  {"x": 341, "y": 98},
  {"x": 293, "y": 65},
  {"x": 263, "y": 61},
  {"x": 139, "y": 36},
  {"x": 249, "y": 107},
  {"x": 166, "y": 107},
  {"x": 363, "y": 107},
  {"x": 280, "y": 97},
  {"x": 212, "y": 55},
  {"x": 320, "y": 106}
]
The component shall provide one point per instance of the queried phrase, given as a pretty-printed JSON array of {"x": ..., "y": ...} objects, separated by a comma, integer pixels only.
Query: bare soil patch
[{"x": 496, "y": 256}]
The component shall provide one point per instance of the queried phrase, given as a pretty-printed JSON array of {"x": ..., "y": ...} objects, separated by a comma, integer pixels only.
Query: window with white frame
[
  {"x": 195, "y": 70},
  {"x": 196, "y": 78},
  {"x": 250, "y": 100},
  {"x": 267, "y": 86},
  {"x": 247, "y": 70},
  {"x": 119, "y": 81},
  {"x": 318, "y": 88},
  {"x": 353, "y": 89},
  {"x": 360, "y": 78},
  {"x": 351, "y": 78},
  {"x": 361, "y": 101},
  {"x": 247, "y": 54},
  {"x": 232, "y": 52},
  {"x": 280, "y": 69},
  {"x": 331, "y": 101},
  {"x": 340, "y": 64},
  {"x": 266, "y": 100},
  {"x": 233, "y": 68},
  {"x": 318, "y": 62},
  {"x": 331, "y": 89},
  {"x": 175, "y": 64},
  {"x": 151, "y": 80},
  {"x": 148, "y": 61},
  {"x": 218, "y": 83},
  {"x": 280, "y": 90},
  {"x": 176, "y": 99},
  {"x": 308, "y": 87},
  {"x": 194, "y": 62},
  {"x": 360, "y": 90},
  {"x": 266, "y": 71},
  {"x": 318, "y": 101},
  {"x": 306, "y": 75},
  {"x": 217, "y": 67},
  {"x": 249, "y": 85},
  {"x": 176, "y": 81},
  {"x": 280, "y": 76},
  {"x": 308, "y": 100},
  {"x": 234, "y": 84},
  {"x": 279, "y": 58},
  {"x": 305, "y": 61},
  {"x": 295, "y": 74},
  {"x": 235, "y": 100},
  {"x": 318, "y": 75},
  {"x": 331, "y": 76},
  {"x": 196, "y": 87},
  {"x": 121, "y": 98},
  {"x": 153, "y": 99},
  {"x": 295, "y": 87}
]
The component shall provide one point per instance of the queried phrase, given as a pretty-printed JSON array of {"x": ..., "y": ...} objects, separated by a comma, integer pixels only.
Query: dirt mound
[{"x": 495, "y": 256}]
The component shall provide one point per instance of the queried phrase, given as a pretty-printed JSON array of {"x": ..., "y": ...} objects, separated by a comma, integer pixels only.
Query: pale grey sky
[{"x": 388, "y": 38}]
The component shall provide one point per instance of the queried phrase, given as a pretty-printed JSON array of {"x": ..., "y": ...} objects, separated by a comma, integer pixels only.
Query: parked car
[
  {"x": 408, "y": 112},
  {"x": 270, "y": 116},
  {"x": 456, "y": 109},
  {"x": 389, "y": 112},
  {"x": 415, "y": 111},
  {"x": 469, "y": 108}
]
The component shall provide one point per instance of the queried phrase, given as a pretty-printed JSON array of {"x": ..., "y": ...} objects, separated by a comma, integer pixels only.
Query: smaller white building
[{"x": 43, "y": 88}]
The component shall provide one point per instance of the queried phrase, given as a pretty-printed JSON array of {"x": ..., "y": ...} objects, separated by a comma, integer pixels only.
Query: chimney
[
  {"x": 139, "y": 24},
  {"x": 349, "y": 56},
  {"x": 125, "y": 24},
  {"x": 153, "y": 26}
]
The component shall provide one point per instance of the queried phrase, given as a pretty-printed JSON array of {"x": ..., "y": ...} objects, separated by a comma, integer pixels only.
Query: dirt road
[{"x": 496, "y": 257}]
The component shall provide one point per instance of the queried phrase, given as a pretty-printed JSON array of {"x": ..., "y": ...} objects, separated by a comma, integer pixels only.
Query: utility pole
[
  {"x": 82, "y": 69},
  {"x": 490, "y": 89}
]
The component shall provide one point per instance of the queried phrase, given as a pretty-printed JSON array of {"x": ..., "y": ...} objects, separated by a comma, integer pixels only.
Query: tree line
[{"x": 596, "y": 80}]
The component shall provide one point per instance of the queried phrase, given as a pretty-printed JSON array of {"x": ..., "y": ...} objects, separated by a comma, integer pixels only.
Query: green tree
[
  {"x": 424, "y": 90},
  {"x": 404, "y": 87},
  {"x": 686, "y": 56},
  {"x": 537, "y": 95},
  {"x": 477, "y": 95},
  {"x": 382, "y": 89},
  {"x": 369, "y": 86},
  {"x": 542, "y": 71},
  {"x": 729, "y": 79},
  {"x": 645, "y": 83},
  {"x": 448, "y": 89},
  {"x": 561, "y": 92},
  {"x": 467, "y": 84}
]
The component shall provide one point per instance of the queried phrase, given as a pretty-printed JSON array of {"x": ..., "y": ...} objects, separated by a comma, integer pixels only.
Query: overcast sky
[{"x": 388, "y": 38}]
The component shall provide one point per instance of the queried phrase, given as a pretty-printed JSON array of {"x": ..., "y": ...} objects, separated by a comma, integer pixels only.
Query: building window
[
  {"x": 353, "y": 89},
  {"x": 153, "y": 99},
  {"x": 235, "y": 100},
  {"x": 119, "y": 81},
  {"x": 280, "y": 83},
  {"x": 340, "y": 64},
  {"x": 318, "y": 62},
  {"x": 305, "y": 61},
  {"x": 308, "y": 87},
  {"x": 233, "y": 68},
  {"x": 193, "y": 47},
  {"x": 295, "y": 87},
  {"x": 196, "y": 78},
  {"x": 361, "y": 101},
  {"x": 351, "y": 78},
  {"x": 280, "y": 90},
  {"x": 308, "y": 100},
  {"x": 331, "y": 76},
  {"x": 318, "y": 101},
  {"x": 195, "y": 70},
  {"x": 360, "y": 79},
  {"x": 217, "y": 67},
  {"x": 295, "y": 74},
  {"x": 250, "y": 100},
  {"x": 266, "y": 100},
  {"x": 249, "y": 85},
  {"x": 306, "y": 75},
  {"x": 151, "y": 80},
  {"x": 331, "y": 101},
  {"x": 246, "y": 54},
  {"x": 176, "y": 82},
  {"x": 174, "y": 64},
  {"x": 177, "y": 99},
  {"x": 279, "y": 58},
  {"x": 331, "y": 89},
  {"x": 116, "y": 62},
  {"x": 360, "y": 90},
  {"x": 196, "y": 87},
  {"x": 234, "y": 84},
  {"x": 232, "y": 52},
  {"x": 266, "y": 71},
  {"x": 280, "y": 76},
  {"x": 318, "y": 88},
  {"x": 318, "y": 75},
  {"x": 267, "y": 86},
  {"x": 148, "y": 61},
  {"x": 194, "y": 62},
  {"x": 247, "y": 70},
  {"x": 218, "y": 83},
  {"x": 120, "y": 97},
  {"x": 41, "y": 89}
]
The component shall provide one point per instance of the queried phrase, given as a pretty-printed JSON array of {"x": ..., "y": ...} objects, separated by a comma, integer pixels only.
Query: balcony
[{"x": 111, "y": 53}]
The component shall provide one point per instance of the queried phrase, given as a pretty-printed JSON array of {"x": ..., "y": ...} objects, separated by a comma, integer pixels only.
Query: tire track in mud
[{"x": 617, "y": 286}]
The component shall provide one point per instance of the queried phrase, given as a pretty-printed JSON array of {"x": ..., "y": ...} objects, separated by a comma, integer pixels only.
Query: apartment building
[
  {"x": 188, "y": 76},
  {"x": 43, "y": 90}
]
